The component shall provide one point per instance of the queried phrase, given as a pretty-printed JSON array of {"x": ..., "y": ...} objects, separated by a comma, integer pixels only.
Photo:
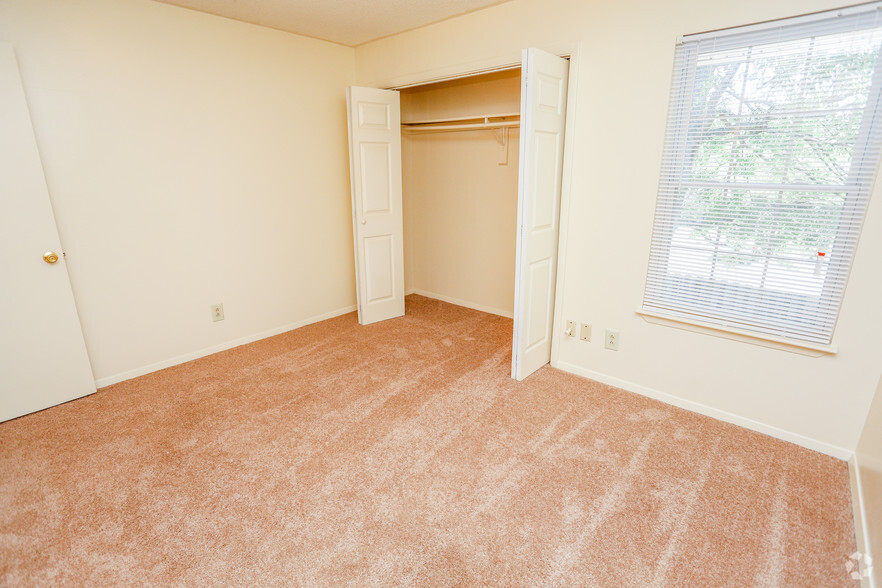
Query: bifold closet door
[
  {"x": 543, "y": 120},
  {"x": 43, "y": 359},
  {"x": 377, "y": 219}
]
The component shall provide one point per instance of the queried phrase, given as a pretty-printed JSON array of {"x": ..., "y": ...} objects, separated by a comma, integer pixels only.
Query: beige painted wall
[
  {"x": 460, "y": 205},
  {"x": 623, "y": 71},
  {"x": 869, "y": 460},
  {"x": 191, "y": 160}
]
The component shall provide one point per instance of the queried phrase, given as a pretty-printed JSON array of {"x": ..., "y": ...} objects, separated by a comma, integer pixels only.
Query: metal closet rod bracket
[{"x": 501, "y": 136}]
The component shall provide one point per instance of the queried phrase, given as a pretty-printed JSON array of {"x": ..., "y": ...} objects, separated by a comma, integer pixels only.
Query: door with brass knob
[{"x": 43, "y": 359}]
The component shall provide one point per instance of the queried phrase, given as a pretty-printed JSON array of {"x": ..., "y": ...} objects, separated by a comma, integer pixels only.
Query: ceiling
[{"x": 348, "y": 22}]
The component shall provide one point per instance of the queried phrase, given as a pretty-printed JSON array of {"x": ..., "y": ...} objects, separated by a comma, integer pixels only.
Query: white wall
[
  {"x": 868, "y": 459},
  {"x": 190, "y": 160},
  {"x": 460, "y": 205},
  {"x": 623, "y": 75}
]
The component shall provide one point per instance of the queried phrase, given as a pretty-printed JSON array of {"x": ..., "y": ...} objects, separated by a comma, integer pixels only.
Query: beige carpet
[{"x": 402, "y": 454}]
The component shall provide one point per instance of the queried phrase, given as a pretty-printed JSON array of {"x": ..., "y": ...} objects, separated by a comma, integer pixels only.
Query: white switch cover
[
  {"x": 571, "y": 329},
  {"x": 217, "y": 312},
  {"x": 612, "y": 339},
  {"x": 585, "y": 332}
]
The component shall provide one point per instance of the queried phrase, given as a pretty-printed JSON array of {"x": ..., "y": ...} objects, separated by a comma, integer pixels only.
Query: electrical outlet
[
  {"x": 571, "y": 329},
  {"x": 217, "y": 312},
  {"x": 585, "y": 332},
  {"x": 612, "y": 339}
]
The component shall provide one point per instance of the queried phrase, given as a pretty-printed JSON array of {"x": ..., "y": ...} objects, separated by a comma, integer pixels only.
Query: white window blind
[{"x": 770, "y": 152}]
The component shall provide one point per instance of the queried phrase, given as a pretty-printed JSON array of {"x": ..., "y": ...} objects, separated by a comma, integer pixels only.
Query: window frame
[{"x": 675, "y": 161}]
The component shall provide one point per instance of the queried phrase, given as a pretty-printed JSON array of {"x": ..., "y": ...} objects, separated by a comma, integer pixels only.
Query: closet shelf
[
  {"x": 463, "y": 123},
  {"x": 429, "y": 121}
]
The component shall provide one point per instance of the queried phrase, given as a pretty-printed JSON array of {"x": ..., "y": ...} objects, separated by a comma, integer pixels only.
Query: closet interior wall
[{"x": 460, "y": 202}]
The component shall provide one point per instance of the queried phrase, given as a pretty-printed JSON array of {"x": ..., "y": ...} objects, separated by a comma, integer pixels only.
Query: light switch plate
[{"x": 585, "y": 332}]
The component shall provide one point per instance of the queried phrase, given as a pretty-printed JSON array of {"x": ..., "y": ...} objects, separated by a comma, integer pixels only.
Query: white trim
[
  {"x": 528, "y": 121},
  {"x": 459, "y": 302},
  {"x": 861, "y": 528},
  {"x": 447, "y": 78},
  {"x": 791, "y": 345},
  {"x": 159, "y": 365},
  {"x": 452, "y": 72},
  {"x": 478, "y": 67},
  {"x": 565, "y": 198},
  {"x": 722, "y": 415}
]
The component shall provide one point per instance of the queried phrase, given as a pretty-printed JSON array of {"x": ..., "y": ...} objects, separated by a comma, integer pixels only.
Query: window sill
[{"x": 802, "y": 348}]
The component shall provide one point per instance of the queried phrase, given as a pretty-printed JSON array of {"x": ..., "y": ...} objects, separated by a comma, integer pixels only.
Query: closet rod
[{"x": 465, "y": 127}]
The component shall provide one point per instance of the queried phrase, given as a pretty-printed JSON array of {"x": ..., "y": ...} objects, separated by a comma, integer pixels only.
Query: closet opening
[
  {"x": 456, "y": 195},
  {"x": 459, "y": 153}
]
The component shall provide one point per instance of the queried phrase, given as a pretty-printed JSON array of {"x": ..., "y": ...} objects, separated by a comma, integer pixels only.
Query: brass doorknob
[{"x": 50, "y": 257}]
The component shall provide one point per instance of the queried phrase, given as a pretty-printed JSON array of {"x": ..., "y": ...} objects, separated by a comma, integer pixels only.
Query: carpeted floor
[{"x": 402, "y": 454}]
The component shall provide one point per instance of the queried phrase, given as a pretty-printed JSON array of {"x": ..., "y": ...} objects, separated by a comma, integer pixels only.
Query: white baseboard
[
  {"x": 861, "y": 529},
  {"x": 128, "y": 375},
  {"x": 458, "y": 302},
  {"x": 722, "y": 415}
]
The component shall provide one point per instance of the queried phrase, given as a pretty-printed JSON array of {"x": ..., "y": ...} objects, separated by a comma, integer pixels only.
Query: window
[{"x": 770, "y": 152}]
